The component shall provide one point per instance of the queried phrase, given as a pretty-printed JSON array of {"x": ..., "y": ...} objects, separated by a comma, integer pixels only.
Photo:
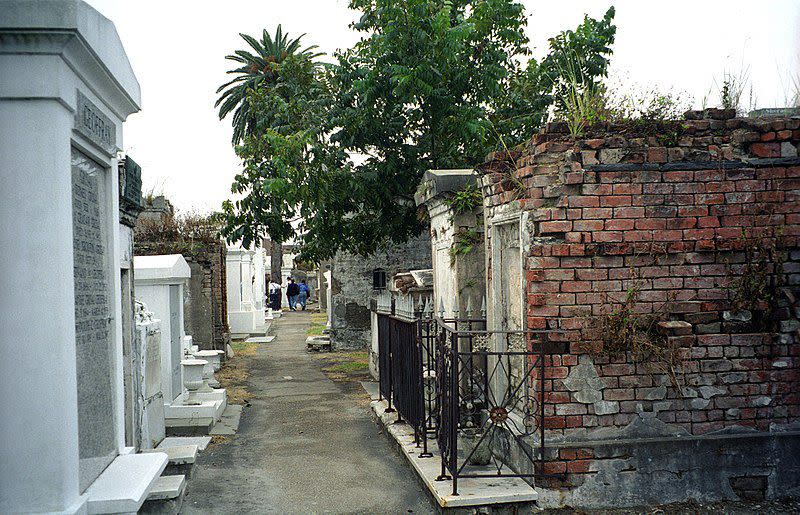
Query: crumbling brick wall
[{"x": 664, "y": 217}]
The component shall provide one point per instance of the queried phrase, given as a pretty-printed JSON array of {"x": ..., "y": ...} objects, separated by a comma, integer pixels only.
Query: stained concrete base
[
  {"x": 228, "y": 423},
  {"x": 472, "y": 492},
  {"x": 260, "y": 339}
]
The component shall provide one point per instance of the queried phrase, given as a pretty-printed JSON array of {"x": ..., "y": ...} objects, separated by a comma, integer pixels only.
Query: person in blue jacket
[{"x": 304, "y": 293}]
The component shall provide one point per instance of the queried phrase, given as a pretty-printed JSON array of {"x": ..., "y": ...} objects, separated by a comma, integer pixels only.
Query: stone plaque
[
  {"x": 93, "y": 319},
  {"x": 95, "y": 125}
]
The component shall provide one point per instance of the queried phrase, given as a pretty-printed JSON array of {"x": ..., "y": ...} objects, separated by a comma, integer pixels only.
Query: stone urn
[
  {"x": 214, "y": 357},
  {"x": 193, "y": 379}
]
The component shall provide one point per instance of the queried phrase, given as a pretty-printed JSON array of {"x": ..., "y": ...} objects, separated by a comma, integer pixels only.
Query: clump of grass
[
  {"x": 349, "y": 367},
  {"x": 319, "y": 318},
  {"x": 238, "y": 395},
  {"x": 344, "y": 366},
  {"x": 244, "y": 348},
  {"x": 315, "y": 329}
]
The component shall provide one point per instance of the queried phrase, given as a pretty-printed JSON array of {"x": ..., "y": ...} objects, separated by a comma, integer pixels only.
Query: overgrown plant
[
  {"x": 181, "y": 232},
  {"x": 732, "y": 88},
  {"x": 753, "y": 286},
  {"x": 465, "y": 200},
  {"x": 626, "y": 331},
  {"x": 582, "y": 102},
  {"x": 464, "y": 242}
]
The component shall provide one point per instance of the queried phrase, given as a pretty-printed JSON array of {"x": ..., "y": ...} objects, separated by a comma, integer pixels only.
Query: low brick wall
[{"x": 666, "y": 220}]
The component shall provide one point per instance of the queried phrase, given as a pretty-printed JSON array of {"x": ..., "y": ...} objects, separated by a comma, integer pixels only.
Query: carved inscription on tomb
[{"x": 93, "y": 317}]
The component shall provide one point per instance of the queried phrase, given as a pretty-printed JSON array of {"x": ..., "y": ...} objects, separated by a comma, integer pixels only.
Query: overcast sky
[{"x": 177, "y": 49}]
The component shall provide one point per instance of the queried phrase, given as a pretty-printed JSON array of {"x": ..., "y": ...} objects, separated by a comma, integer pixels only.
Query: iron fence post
[{"x": 454, "y": 411}]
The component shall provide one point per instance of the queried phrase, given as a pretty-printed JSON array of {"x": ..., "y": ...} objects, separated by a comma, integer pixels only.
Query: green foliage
[
  {"x": 288, "y": 167},
  {"x": 754, "y": 285},
  {"x": 255, "y": 69},
  {"x": 464, "y": 242},
  {"x": 465, "y": 200},
  {"x": 335, "y": 153},
  {"x": 577, "y": 62}
]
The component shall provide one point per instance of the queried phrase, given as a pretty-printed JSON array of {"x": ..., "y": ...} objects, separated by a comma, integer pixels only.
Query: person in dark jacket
[
  {"x": 305, "y": 293},
  {"x": 291, "y": 293}
]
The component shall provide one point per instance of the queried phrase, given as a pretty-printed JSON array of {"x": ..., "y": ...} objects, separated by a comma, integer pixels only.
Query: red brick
[
  {"x": 692, "y": 210},
  {"x": 708, "y": 221},
  {"x": 554, "y": 467},
  {"x": 615, "y": 200},
  {"x": 558, "y": 226},
  {"x": 678, "y": 176},
  {"x": 627, "y": 189},
  {"x": 578, "y": 466},
  {"x": 650, "y": 223},
  {"x": 766, "y": 149},
  {"x": 587, "y": 225},
  {"x": 584, "y": 201},
  {"x": 624, "y": 224},
  {"x": 628, "y": 212},
  {"x": 607, "y": 236},
  {"x": 698, "y": 234},
  {"x": 597, "y": 213},
  {"x": 657, "y": 155}
]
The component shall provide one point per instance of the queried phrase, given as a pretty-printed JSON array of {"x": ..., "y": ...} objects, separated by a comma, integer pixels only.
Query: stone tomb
[
  {"x": 66, "y": 88},
  {"x": 160, "y": 284},
  {"x": 246, "y": 291}
]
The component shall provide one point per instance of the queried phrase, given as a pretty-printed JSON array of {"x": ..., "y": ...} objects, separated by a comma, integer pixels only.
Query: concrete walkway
[{"x": 306, "y": 445}]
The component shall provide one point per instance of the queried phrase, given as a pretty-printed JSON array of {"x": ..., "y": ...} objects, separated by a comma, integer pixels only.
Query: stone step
[
  {"x": 228, "y": 423},
  {"x": 181, "y": 458},
  {"x": 171, "y": 441},
  {"x": 318, "y": 343},
  {"x": 167, "y": 487},
  {"x": 166, "y": 497},
  {"x": 125, "y": 483},
  {"x": 178, "y": 454}
]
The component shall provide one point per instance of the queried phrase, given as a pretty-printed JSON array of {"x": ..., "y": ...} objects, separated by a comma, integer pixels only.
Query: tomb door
[
  {"x": 175, "y": 338},
  {"x": 94, "y": 337},
  {"x": 507, "y": 307}
]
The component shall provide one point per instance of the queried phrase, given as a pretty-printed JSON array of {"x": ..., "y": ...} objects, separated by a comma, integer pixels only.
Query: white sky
[{"x": 177, "y": 50}]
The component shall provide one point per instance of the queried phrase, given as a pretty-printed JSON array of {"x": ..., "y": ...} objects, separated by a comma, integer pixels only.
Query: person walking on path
[
  {"x": 304, "y": 294},
  {"x": 291, "y": 293},
  {"x": 274, "y": 295}
]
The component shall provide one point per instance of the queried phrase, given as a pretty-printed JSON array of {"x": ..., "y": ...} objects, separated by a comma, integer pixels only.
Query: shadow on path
[{"x": 305, "y": 445}]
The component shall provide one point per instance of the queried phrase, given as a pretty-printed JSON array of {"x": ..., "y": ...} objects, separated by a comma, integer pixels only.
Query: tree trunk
[{"x": 276, "y": 261}]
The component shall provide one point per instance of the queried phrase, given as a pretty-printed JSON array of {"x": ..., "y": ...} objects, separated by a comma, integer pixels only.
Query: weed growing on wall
[
  {"x": 628, "y": 332},
  {"x": 464, "y": 242},
  {"x": 754, "y": 284},
  {"x": 465, "y": 200}
]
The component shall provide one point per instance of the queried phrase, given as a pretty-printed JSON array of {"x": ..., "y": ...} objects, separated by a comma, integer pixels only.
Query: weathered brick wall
[
  {"x": 351, "y": 288},
  {"x": 663, "y": 215}
]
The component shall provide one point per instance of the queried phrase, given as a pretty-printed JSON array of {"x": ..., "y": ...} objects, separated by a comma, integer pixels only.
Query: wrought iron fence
[
  {"x": 478, "y": 392},
  {"x": 491, "y": 402}
]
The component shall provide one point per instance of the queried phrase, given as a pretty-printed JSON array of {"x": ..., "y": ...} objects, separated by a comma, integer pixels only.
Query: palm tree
[{"x": 255, "y": 68}]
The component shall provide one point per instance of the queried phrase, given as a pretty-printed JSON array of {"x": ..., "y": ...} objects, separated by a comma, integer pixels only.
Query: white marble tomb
[{"x": 66, "y": 87}]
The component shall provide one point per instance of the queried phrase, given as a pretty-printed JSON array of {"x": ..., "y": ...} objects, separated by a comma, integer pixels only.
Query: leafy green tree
[
  {"x": 415, "y": 94},
  {"x": 576, "y": 59},
  {"x": 254, "y": 69},
  {"x": 337, "y": 152}
]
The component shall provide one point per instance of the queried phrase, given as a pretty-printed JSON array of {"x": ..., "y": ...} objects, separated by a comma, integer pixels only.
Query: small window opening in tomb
[{"x": 379, "y": 279}]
